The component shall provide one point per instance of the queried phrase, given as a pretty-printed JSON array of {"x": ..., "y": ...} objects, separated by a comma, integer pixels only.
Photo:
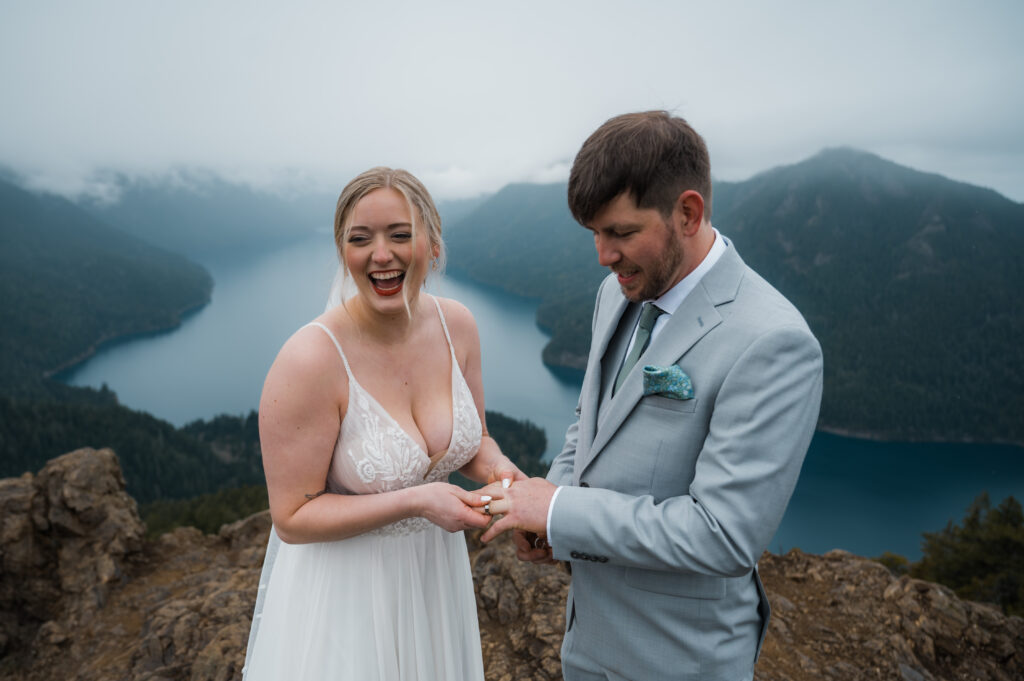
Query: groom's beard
[{"x": 657, "y": 277}]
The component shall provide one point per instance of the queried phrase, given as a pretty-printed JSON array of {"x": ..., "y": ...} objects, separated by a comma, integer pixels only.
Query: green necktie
[{"x": 648, "y": 316}]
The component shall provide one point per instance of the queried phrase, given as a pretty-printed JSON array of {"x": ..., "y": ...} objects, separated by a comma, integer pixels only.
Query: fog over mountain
[{"x": 474, "y": 96}]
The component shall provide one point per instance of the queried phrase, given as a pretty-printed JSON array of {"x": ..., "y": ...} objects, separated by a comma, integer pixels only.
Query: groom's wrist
[{"x": 551, "y": 508}]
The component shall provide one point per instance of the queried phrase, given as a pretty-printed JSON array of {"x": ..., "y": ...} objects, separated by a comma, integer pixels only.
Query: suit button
[
  {"x": 584, "y": 484},
  {"x": 602, "y": 559},
  {"x": 575, "y": 554}
]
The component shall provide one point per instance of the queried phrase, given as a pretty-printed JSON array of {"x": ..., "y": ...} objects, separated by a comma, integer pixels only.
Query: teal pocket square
[{"x": 670, "y": 381}]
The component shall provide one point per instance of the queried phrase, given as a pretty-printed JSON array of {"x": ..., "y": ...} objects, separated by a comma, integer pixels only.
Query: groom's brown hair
[{"x": 652, "y": 155}]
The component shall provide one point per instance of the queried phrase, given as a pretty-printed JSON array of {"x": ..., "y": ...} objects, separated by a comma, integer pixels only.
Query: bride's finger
[{"x": 472, "y": 499}]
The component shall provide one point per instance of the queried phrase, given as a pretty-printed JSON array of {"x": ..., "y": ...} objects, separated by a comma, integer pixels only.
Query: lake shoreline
[
  {"x": 106, "y": 342},
  {"x": 879, "y": 437}
]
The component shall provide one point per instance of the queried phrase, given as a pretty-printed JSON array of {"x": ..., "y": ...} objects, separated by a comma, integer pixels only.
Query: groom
[{"x": 699, "y": 401}]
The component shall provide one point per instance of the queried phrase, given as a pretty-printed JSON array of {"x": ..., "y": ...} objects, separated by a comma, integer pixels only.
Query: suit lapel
[
  {"x": 694, "y": 318},
  {"x": 612, "y": 306}
]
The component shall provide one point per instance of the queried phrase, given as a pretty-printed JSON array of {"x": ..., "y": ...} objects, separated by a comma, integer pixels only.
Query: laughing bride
[{"x": 364, "y": 414}]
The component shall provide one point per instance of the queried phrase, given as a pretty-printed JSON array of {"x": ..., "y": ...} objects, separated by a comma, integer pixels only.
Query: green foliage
[
  {"x": 897, "y": 564},
  {"x": 910, "y": 282},
  {"x": 520, "y": 440},
  {"x": 207, "y": 512},
  {"x": 982, "y": 559},
  {"x": 158, "y": 460},
  {"x": 233, "y": 439}
]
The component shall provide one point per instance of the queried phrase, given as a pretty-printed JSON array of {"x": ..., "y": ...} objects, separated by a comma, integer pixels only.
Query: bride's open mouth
[{"x": 387, "y": 283}]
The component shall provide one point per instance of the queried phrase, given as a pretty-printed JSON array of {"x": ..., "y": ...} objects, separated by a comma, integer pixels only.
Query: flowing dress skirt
[{"x": 393, "y": 605}]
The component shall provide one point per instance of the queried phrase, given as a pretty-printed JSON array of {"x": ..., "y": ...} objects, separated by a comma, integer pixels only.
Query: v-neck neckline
[{"x": 431, "y": 462}]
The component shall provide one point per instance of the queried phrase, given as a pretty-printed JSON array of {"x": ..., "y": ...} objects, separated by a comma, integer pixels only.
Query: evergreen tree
[{"x": 981, "y": 559}]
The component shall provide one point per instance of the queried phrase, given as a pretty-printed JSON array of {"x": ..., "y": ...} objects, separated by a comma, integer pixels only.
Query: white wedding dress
[{"x": 393, "y": 604}]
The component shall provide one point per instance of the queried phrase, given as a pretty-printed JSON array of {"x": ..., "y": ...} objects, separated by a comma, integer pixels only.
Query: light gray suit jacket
[{"x": 667, "y": 504}]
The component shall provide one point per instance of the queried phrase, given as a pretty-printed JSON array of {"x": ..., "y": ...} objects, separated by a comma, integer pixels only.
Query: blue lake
[{"x": 863, "y": 496}]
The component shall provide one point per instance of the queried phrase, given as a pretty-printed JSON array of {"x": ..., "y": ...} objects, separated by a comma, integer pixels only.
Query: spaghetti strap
[
  {"x": 337, "y": 345},
  {"x": 444, "y": 325}
]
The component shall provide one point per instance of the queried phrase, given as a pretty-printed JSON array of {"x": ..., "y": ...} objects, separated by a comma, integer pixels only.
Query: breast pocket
[{"x": 669, "y": 404}]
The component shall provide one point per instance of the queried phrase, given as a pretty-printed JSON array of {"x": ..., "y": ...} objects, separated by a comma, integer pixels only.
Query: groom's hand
[
  {"x": 523, "y": 506},
  {"x": 532, "y": 548}
]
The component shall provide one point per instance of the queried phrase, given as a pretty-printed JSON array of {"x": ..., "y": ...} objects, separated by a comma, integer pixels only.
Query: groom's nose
[{"x": 607, "y": 253}]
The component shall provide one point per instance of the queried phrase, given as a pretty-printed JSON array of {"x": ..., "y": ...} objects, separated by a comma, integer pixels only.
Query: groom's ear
[{"x": 688, "y": 212}]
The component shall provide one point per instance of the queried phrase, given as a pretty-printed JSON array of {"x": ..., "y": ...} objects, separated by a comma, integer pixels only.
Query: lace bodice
[{"x": 374, "y": 454}]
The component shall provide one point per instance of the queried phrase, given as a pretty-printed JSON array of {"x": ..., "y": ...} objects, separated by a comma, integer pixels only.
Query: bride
[{"x": 364, "y": 414}]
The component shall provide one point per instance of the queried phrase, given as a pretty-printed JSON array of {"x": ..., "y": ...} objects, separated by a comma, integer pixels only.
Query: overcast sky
[{"x": 473, "y": 95}]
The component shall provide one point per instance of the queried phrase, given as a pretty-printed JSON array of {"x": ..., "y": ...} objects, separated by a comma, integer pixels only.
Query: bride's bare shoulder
[
  {"x": 307, "y": 352},
  {"x": 462, "y": 328},
  {"x": 457, "y": 316}
]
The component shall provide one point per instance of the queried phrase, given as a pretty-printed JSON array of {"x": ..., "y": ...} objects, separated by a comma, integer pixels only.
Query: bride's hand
[
  {"x": 451, "y": 507},
  {"x": 505, "y": 470}
]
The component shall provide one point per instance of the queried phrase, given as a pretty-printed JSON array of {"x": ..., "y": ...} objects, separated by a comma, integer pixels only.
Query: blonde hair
[{"x": 421, "y": 210}]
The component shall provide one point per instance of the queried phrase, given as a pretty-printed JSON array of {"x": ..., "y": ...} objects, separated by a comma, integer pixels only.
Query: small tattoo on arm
[{"x": 314, "y": 496}]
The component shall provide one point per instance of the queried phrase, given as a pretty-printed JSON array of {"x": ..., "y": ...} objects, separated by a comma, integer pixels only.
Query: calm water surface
[{"x": 865, "y": 497}]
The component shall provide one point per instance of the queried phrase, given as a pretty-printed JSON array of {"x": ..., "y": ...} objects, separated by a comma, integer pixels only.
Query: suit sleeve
[
  {"x": 561, "y": 470},
  {"x": 762, "y": 422}
]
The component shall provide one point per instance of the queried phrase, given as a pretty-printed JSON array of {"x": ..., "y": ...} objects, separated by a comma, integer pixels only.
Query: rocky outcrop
[
  {"x": 838, "y": 616},
  {"x": 521, "y": 609},
  {"x": 83, "y": 596},
  {"x": 67, "y": 536}
]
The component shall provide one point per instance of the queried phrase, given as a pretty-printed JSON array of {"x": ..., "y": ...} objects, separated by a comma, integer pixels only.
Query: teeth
[{"x": 385, "y": 275}]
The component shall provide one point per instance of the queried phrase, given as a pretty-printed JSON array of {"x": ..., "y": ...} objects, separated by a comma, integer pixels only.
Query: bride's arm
[
  {"x": 300, "y": 415},
  {"x": 489, "y": 464}
]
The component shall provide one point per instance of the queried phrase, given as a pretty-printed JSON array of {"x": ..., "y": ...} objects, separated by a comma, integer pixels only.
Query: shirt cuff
[{"x": 551, "y": 507}]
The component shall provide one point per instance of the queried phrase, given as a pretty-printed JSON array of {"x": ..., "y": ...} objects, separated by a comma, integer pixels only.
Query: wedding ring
[{"x": 487, "y": 508}]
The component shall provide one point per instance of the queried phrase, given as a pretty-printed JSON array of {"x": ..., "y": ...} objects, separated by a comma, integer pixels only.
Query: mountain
[
  {"x": 200, "y": 214},
  {"x": 910, "y": 280},
  {"x": 69, "y": 282},
  {"x": 454, "y": 210},
  {"x": 524, "y": 240}
]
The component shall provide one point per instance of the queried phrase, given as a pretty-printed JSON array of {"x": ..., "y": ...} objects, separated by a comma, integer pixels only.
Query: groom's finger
[
  {"x": 500, "y": 506},
  {"x": 536, "y": 556},
  {"x": 527, "y": 548},
  {"x": 496, "y": 528}
]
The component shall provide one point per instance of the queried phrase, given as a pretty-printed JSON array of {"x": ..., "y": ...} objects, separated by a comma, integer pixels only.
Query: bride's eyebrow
[{"x": 393, "y": 225}]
